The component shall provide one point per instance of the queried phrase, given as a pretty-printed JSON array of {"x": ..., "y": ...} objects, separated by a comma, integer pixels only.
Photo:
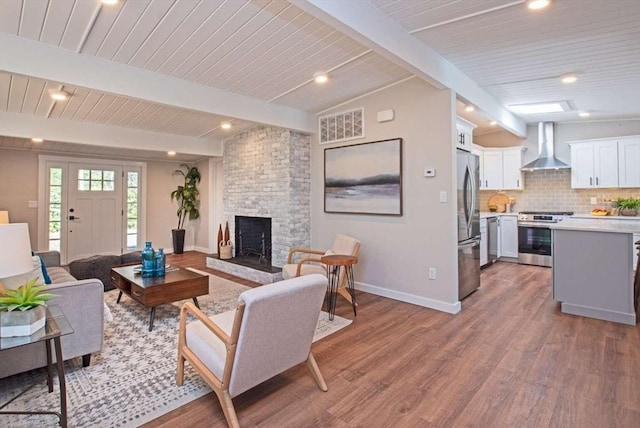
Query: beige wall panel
[{"x": 397, "y": 251}]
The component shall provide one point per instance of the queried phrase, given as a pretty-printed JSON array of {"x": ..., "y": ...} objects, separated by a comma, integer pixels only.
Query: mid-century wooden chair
[
  {"x": 270, "y": 331},
  {"x": 306, "y": 261}
]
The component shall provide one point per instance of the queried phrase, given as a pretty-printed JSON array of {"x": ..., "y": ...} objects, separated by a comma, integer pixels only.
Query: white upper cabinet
[
  {"x": 594, "y": 164},
  {"x": 501, "y": 169},
  {"x": 511, "y": 164},
  {"x": 629, "y": 161},
  {"x": 464, "y": 134}
]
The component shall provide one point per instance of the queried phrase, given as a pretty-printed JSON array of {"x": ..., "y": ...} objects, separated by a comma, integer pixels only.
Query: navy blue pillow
[{"x": 43, "y": 267}]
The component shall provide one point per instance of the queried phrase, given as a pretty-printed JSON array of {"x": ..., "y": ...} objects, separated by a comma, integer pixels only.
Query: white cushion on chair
[
  {"x": 289, "y": 271},
  {"x": 206, "y": 345},
  {"x": 343, "y": 244}
]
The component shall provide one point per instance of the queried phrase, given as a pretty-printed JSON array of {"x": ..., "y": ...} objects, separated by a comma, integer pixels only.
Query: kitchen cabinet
[
  {"x": 508, "y": 232},
  {"x": 629, "y": 161},
  {"x": 634, "y": 251},
  {"x": 464, "y": 134},
  {"x": 594, "y": 164},
  {"x": 484, "y": 253},
  {"x": 501, "y": 169}
]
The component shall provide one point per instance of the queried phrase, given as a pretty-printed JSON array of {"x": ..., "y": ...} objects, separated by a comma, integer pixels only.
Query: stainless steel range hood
[{"x": 546, "y": 157}]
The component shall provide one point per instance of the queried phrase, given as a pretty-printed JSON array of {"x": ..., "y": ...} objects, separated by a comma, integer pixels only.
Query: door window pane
[{"x": 96, "y": 180}]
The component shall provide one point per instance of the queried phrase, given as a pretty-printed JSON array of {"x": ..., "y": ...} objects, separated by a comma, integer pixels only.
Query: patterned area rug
[{"x": 132, "y": 380}]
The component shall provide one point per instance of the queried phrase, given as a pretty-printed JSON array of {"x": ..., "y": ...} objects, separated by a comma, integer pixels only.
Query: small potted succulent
[
  {"x": 628, "y": 206},
  {"x": 23, "y": 311}
]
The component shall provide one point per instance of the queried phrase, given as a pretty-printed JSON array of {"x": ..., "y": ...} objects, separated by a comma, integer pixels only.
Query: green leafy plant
[
  {"x": 24, "y": 298},
  {"x": 628, "y": 203},
  {"x": 187, "y": 194}
]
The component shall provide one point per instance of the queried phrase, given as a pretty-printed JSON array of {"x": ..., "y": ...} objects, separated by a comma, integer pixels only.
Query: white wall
[
  {"x": 18, "y": 186},
  {"x": 161, "y": 210},
  {"x": 397, "y": 251}
]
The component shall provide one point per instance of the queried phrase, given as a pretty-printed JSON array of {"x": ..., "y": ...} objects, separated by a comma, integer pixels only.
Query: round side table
[{"x": 334, "y": 264}]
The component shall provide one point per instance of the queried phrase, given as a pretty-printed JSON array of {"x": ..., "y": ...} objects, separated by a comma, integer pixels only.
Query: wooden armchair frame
[
  {"x": 342, "y": 286},
  {"x": 221, "y": 386}
]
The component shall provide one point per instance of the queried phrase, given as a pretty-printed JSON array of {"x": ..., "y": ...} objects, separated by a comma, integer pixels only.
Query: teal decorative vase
[
  {"x": 160, "y": 260},
  {"x": 148, "y": 261}
]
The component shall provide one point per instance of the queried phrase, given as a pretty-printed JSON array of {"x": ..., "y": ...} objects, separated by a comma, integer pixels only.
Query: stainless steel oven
[{"x": 534, "y": 236}]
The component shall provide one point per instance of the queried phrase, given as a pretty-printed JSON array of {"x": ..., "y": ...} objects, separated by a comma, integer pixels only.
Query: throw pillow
[{"x": 43, "y": 267}]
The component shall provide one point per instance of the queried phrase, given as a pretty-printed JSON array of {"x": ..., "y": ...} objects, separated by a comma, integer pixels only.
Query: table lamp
[
  {"x": 4, "y": 217},
  {"x": 15, "y": 249}
]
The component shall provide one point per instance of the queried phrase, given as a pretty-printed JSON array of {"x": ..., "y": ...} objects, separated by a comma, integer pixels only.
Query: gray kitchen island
[{"x": 593, "y": 268}]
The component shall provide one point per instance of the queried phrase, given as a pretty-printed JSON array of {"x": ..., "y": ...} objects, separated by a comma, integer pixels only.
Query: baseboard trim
[
  {"x": 438, "y": 305},
  {"x": 597, "y": 313}
]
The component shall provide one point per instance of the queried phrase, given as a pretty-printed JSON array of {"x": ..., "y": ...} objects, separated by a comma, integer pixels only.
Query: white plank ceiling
[{"x": 268, "y": 51}]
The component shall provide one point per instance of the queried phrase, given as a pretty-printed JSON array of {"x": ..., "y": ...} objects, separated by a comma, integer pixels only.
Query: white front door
[{"x": 94, "y": 210}]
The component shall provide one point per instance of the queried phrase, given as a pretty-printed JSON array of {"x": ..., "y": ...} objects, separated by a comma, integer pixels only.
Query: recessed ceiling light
[
  {"x": 470, "y": 108},
  {"x": 569, "y": 78},
  {"x": 537, "y": 108},
  {"x": 584, "y": 114},
  {"x": 538, "y": 4},
  {"x": 493, "y": 123},
  {"x": 171, "y": 153},
  {"x": 320, "y": 77},
  {"x": 225, "y": 125},
  {"x": 59, "y": 95},
  {"x": 109, "y": 2},
  {"x": 37, "y": 140}
]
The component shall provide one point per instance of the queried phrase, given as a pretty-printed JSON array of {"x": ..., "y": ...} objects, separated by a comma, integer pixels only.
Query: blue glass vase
[
  {"x": 160, "y": 260},
  {"x": 148, "y": 261}
]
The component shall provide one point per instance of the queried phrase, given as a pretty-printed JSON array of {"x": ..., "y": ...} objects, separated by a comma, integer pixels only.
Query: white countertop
[
  {"x": 597, "y": 225},
  {"x": 487, "y": 214},
  {"x": 607, "y": 217}
]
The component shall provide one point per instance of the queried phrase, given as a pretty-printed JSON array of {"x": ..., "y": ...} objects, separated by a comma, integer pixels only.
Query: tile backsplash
[{"x": 550, "y": 190}]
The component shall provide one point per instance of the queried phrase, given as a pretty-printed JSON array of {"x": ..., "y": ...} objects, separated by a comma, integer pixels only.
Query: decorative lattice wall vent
[{"x": 343, "y": 126}]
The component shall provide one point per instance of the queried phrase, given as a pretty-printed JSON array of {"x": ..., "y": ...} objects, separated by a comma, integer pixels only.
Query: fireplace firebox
[{"x": 253, "y": 239}]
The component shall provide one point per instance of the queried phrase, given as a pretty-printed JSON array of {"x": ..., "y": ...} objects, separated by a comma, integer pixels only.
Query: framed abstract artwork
[{"x": 364, "y": 178}]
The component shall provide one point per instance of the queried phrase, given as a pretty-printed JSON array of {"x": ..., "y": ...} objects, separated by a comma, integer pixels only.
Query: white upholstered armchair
[
  {"x": 270, "y": 331},
  {"x": 306, "y": 261}
]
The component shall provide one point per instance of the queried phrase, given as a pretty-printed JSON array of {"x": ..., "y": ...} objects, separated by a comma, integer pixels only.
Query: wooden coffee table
[{"x": 176, "y": 285}]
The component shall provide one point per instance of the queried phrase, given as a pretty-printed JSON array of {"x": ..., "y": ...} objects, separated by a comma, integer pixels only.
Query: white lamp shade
[
  {"x": 4, "y": 217},
  {"x": 15, "y": 249}
]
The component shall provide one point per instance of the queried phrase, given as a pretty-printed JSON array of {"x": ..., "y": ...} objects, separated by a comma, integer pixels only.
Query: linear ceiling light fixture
[
  {"x": 538, "y": 108},
  {"x": 171, "y": 153},
  {"x": 320, "y": 77},
  {"x": 470, "y": 108},
  {"x": 225, "y": 125},
  {"x": 109, "y": 2},
  {"x": 59, "y": 95},
  {"x": 569, "y": 78},
  {"x": 538, "y": 4}
]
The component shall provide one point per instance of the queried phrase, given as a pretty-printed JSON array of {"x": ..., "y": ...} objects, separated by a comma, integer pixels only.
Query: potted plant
[
  {"x": 628, "y": 206},
  {"x": 22, "y": 311},
  {"x": 187, "y": 197}
]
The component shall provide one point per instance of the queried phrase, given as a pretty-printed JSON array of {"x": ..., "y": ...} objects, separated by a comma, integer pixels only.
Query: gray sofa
[{"x": 82, "y": 304}]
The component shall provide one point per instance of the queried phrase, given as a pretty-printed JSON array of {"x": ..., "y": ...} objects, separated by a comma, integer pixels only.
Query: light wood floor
[{"x": 509, "y": 359}]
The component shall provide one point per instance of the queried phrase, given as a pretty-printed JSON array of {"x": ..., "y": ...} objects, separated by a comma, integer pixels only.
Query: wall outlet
[
  {"x": 432, "y": 273},
  {"x": 594, "y": 201}
]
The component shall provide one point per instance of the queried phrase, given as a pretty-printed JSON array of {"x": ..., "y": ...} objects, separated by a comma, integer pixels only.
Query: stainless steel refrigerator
[{"x": 468, "y": 212}]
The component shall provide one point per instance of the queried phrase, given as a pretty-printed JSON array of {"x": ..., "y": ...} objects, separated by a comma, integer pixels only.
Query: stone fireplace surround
[{"x": 267, "y": 173}]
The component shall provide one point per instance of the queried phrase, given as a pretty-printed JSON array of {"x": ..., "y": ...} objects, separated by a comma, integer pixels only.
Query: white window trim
[{"x": 63, "y": 162}]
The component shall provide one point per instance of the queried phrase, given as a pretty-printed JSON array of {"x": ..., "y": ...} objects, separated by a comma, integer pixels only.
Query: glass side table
[{"x": 55, "y": 327}]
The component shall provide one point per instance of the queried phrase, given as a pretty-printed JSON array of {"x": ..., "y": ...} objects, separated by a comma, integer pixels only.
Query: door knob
[{"x": 71, "y": 217}]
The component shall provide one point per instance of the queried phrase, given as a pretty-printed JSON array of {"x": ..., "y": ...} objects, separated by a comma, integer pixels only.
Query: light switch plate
[
  {"x": 33, "y": 204},
  {"x": 429, "y": 172},
  {"x": 443, "y": 196}
]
